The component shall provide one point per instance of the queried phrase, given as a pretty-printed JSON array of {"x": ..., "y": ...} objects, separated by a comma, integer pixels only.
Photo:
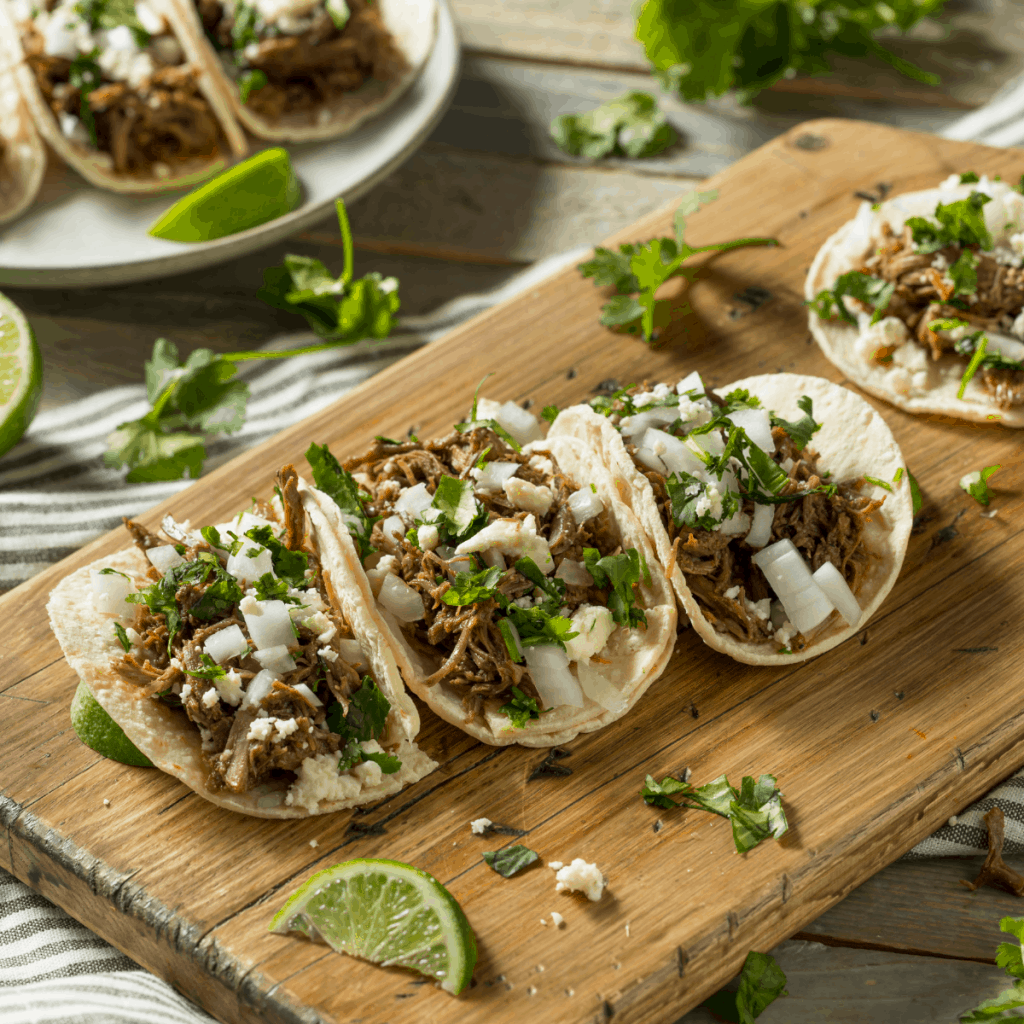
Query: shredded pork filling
[
  {"x": 475, "y": 658},
  {"x": 308, "y": 70},
  {"x": 922, "y": 294},
  {"x": 238, "y": 761}
]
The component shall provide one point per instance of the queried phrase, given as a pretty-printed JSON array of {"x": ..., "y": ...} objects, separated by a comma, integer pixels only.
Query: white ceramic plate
[{"x": 77, "y": 235}]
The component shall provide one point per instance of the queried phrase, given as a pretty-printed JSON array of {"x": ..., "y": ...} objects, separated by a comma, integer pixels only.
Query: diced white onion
[
  {"x": 309, "y": 695},
  {"x": 226, "y": 643},
  {"x": 574, "y": 573},
  {"x": 259, "y": 687},
  {"x": 391, "y": 526},
  {"x": 520, "y": 423},
  {"x": 352, "y": 653},
  {"x": 585, "y": 504},
  {"x": 400, "y": 599},
  {"x": 599, "y": 688},
  {"x": 444, "y": 551},
  {"x": 838, "y": 591},
  {"x": 109, "y": 591},
  {"x": 549, "y": 670},
  {"x": 761, "y": 528},
  {"x": 633, "y": 426},
  {"x": 813, "y": 610},
  {"x": 493, "y": 476},
  {"x": 276, "y": 660},
  {"x": 412, "y": 501},
  {"x": 493, "y": 557},
  {"x": 461, "y": 563},
  {"x": 757, "y": 424},
  {"x": 737, "y": 523},
  {"x": 711, "y": 442},
  {"x": 268, "y": 622},
  {"x": 245, "y": 567},
  {"x": 691, "y": 382},
  {"x": 163, "y": 558},
  {"x": 668, "y": 454},
  {"x": 790, "y": 577}
]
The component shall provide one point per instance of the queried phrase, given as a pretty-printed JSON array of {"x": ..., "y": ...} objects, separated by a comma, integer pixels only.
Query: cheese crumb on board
[
  {"x": 480, "y": 826},
  {"x": 579, "y": 876}
]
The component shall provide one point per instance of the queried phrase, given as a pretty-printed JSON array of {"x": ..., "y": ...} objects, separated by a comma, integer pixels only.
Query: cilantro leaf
[
  {"x": 964, "y": 274},
  {"x": 538, "y": 625},
  {"x": 151, "y": 454},
  {"x": 510, "y": 860},
  {"x": 520, "y": 709},
  {"x": 959, "y": 223},
  {"x": 122, "y": 637},
  {"x": 631, "y": 125},
  {"x": 611, "y": 269},
  {"x": 368, "y": 711},
  {"x": 209, "y": 669},
  {"x": 550, "y": 413},
  {"x": 511, "y": 638},
  {"x": 872, "y": 291},
  {"x": 801, "y": 431},
  {"x": 472, "y": 587},
  {"x": 761, "y": 982},
  {"x": 915, "y": 493},
  {"x": 462, "y": 515},
  {"x": 250, "y": 81},
  {"x": 976, "y": 485},
  {"x": 351, "y": 753},
  {"x": 968, "y": 178},
  {"x": 85, "y": 75},
  {"x": 290, "y": 566},
  {"x": 269, "y": 588},
  {"x": 339, "y": 485},
  {"x": 621, "y": 573},
  {"x": 388, "y": 763},
  {"x": 659, "y": 794},
  {"x": 994, "y": 1009}
]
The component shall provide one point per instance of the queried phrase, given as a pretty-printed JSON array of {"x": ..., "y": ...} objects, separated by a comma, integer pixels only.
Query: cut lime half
[
  {"x": 250, "y": 193},
  {"x": 99, "y": 732},
  {"x": 21, "y": 374},
  {"x": 386, "y": 912}
]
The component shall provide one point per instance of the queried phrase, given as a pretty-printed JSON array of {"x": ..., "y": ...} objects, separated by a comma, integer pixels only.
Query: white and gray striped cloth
[{"x": 56, "y": 495}]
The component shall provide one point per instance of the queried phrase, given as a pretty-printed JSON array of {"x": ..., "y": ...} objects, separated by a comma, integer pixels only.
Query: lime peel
[
  {"x": 99, "y": 732},
  {"x": 21, "y": 374},
  {"x": 389, "y": 913}
]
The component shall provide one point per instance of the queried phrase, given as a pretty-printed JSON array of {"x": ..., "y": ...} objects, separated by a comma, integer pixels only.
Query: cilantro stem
[
  {"x": 241, "y": 357},
  {"x": 972, "y": 366},
  {"x": 346, "y": 240},
  {"x": 738, "y": 243}
]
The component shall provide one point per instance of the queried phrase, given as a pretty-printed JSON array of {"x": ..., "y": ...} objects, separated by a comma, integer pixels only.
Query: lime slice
[
  {"x": 250, "y": 193},
  {"x": 386, "y": 912},
  {"x": 98, "y": 731},
  {"x": 21, "y": 374}
]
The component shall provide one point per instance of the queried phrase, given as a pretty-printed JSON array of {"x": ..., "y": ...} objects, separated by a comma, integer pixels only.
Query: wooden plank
[{"x": 919, "y": 758}]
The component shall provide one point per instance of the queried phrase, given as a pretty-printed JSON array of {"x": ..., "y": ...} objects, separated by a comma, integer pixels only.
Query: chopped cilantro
[
  {"x": 959, "y": 223},
  {"x": 472, "y": 587},
  {"x": 122, "y": 636},
  {"x": 878, "y": 483},
  {"x": 915, "y": 493},
  {"x": 386, "y": 440},
  {"x": 520, "y": 709},
  {"x": 508, "y": 634},
  {"x": 462, "y": 515},
  {"x": 209, "y": 669},
  {"x": 388, "y": 763},
  {"x": 85, "y": 75},
  {"x": 621, "y": 572},
  {"x": 872, "y": 291},
  {"x": 659, "y": 794},
  {"x": 898, "y": 475},
  {"x": 289, "y": 565},
  {"x": 482, "y": 459},
  {"x": 250, "y": 81},
  {"x": 686, "y": 491},
  {"x": 972, "y": 367},
  {"x": 976, "y": 484},
  {"x": 366, "y": 720},
  {"x": 550, "y": 413},
  {"x": 800, "y": 431},
  {"x": 270, "y": 589},
  {"x": 108, "y": 571},
  {"x": 968, "y": 178},
  {"x": 338, "y": 483},
  {"x": 510, "y": 860},
  {"x": 964, "y": 273},
  {"x": 761, "y": 982},
  {"x": 539, "y": 625},
  {"x": 630, "y": 125},
  {"x": 212, "y": 537}
]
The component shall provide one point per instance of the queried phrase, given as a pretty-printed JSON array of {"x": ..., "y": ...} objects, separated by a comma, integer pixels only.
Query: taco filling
[
  {"x": 294, "y": 56},
  {"x": 116, "y": 79},
  {"x": 236, "y": 629},
  {"x": 942, "y": 288},
  {"x": 770, "y": 546},
  {"x": 493, "y": 562}
]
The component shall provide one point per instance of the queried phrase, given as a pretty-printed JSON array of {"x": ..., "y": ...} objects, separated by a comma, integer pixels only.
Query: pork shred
[
  {"x": 475, "y": 660},
  {"x": 824, "y": 528},
  {"x": 309, "y": 71},
  {"x": 164, "y": 122},
  {"x": 922, "y": 294},
  {"x": 236, "y": 762}
]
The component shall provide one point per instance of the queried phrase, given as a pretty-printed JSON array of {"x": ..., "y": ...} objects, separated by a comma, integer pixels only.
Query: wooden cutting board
[{"x": 875, "y": 743}]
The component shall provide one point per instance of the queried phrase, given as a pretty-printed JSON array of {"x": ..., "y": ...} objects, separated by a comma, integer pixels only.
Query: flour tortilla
[
  {"x": 913, "y": 380},
  {"x": 24, "y": 158},
  {"x": 87, "y": 161},
  {"x": 637, "y": 656},
  {"x": 853, "y": 440},
  {"x": 413, "y": 26},
  {"x": 169, "y": 740}
]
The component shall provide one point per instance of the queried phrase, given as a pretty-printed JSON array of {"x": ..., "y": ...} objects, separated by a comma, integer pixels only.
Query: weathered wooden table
[{"x": 487, "y": 195}]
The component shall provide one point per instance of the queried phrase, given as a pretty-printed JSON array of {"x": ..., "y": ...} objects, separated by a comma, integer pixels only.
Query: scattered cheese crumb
[
  {"x": 328, "y": 654},
  {"x": 556, "y": 919},
  {"x": 313, "y": 843},
  {"x": 480, "y": 826},
  {"x": 106, "y": 802},
  {"x": 579, "y": 876},
  {"x": 627, "y": 929},
  {"x": 543, "y": 922},
  {"x": 186, "y": 690},
  {"x": 953, "y": 820},
  {"x": 261, "y": 729},
  {"x": 570, "y": 991},
  {"x": 210, "y": 697},
  {"x": 284, "y": 727},
  {"x": 532, "y": 990},
  {"x": 540, "y": 967}
]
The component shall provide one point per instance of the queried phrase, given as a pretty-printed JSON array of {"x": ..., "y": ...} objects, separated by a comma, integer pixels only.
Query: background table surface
[{"x": 488, "y": 194}]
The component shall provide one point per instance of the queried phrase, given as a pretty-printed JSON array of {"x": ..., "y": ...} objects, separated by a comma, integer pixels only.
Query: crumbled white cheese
[
  {"x": 480, "y": 826},
  {"x": 328, "y": 634},
  {"x": 529, "y": 497},
  {"x": 732, "y": 593},
  {"x": 710, "y": 502},
  {"x": 876, "y": 341},
  {"x": 556, "y": 919},
  {"x": 313, "y": 843},
  {"x": 785, "y": 633},
  {"x": 579, "y": 876},
  {"x": 515, "y": 538},
  {"x": 1017, "y": 330},
  {"x": 542, "y": 464},
  {"x": 284, "y": 727},
  {"x": 106, "y": 802},
  {"x": 593, "y": 624},
  {"x": 229, "y": 687},
  {"x": 210, "y": 697},
  {"x": 186, "y": 691},
  {"x": 261, "y": 729},
  {"x": 328, "y": 654}
]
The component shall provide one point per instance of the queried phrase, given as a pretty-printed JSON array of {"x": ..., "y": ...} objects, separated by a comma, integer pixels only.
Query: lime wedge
[
  {"x": 250, "y": 193},
  {"x": 98, "y": 731},
  {"x": 386, "y": 912},
  {"x": 21, "y": 374}
]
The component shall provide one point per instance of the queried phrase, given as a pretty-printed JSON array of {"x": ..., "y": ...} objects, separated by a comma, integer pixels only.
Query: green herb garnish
[
  {"x": 339, "y": 484},
  {"x": 632, "y": 125},
  {"x": 878, "y": 483},
  {"x": 872, "y": 291},
  {"x": 520, "y": 709},
  {"x": 761, "y": 983},
  {"x": 122, "y": 636},
  {"x": 976, "y": 484},
  {"x": 510, "y": 860},
  {"x": 959, "y": 223}
]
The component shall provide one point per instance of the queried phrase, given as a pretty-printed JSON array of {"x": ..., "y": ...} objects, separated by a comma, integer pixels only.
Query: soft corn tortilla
[
  {"x": 413, "y": 26},
  {"x": 24, "y": 158},
  {"x": 166, "y": 736},
  {"x": 636, "y": 656},
  {"x": 853, "y": 440},
  {"x": 85, "y": 160},
  {"x": 900, "y": 381}
]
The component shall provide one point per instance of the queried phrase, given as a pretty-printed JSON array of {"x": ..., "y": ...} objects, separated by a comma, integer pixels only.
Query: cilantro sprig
[
  {"x": 339, "y": 485},
  {"x": 620, "y": 574},
  {"x": 201, "y": 397},
  {"x": 631, "y": 125},
  {"x": 976, "y": 484},
  {"x": 755, "y": 809},
  {"x": 802, "y": 430},
  {"x": 520, "y": 709},
  {"x": 365, "y": 720},
  {"x": 636, "y": 272},
  {"x": 1009, "y": 957},
  {"x": 961, "y": 222},
  {"x": 872, "y": 291}
]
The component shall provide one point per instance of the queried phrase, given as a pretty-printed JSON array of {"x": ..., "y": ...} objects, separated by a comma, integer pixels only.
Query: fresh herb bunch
[
  {"x": 632, "y": 125},
  {"x": 702, "y": 48},
  {"x": 201, "y": 396},
  {"x": 1008, "y": 956},
  {"x": 636, "y": 272}
]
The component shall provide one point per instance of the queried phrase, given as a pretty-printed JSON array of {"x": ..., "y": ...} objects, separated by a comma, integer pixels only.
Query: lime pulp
[
  {"x": 21, "y": 374},
  {"x": 249, "y": 194},
  {"x": 98, "y": 731},
  {"x": 386, "y": 912}
]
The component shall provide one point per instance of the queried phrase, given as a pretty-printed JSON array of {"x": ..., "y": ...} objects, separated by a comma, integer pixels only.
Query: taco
[
  {"x": 22, "y": 157},
  {"x": 118, "y": 89},
  {"x": 298, "y": 70},
  {"x": 517, "y": 600},
  {"x": 778, "y": 542},
  {"x": 227, "y": 657},
  {"x": 920, "y": 300}
]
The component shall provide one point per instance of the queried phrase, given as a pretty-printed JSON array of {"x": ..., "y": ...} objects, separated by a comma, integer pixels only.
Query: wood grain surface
[{"x": 875, "y": 743}]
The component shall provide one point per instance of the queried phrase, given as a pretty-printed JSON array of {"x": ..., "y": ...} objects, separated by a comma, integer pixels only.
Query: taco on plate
[
  {"x": 516, "y": 593},
  {"x": 120, "y": 92},
  {"x": 298, "y": 70},
  {"x": 920, "y": 300},
  {"x": 22, "y": 157},
  {"x": 779, "y": 506},
  {"x": 233, "y": 659}
]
